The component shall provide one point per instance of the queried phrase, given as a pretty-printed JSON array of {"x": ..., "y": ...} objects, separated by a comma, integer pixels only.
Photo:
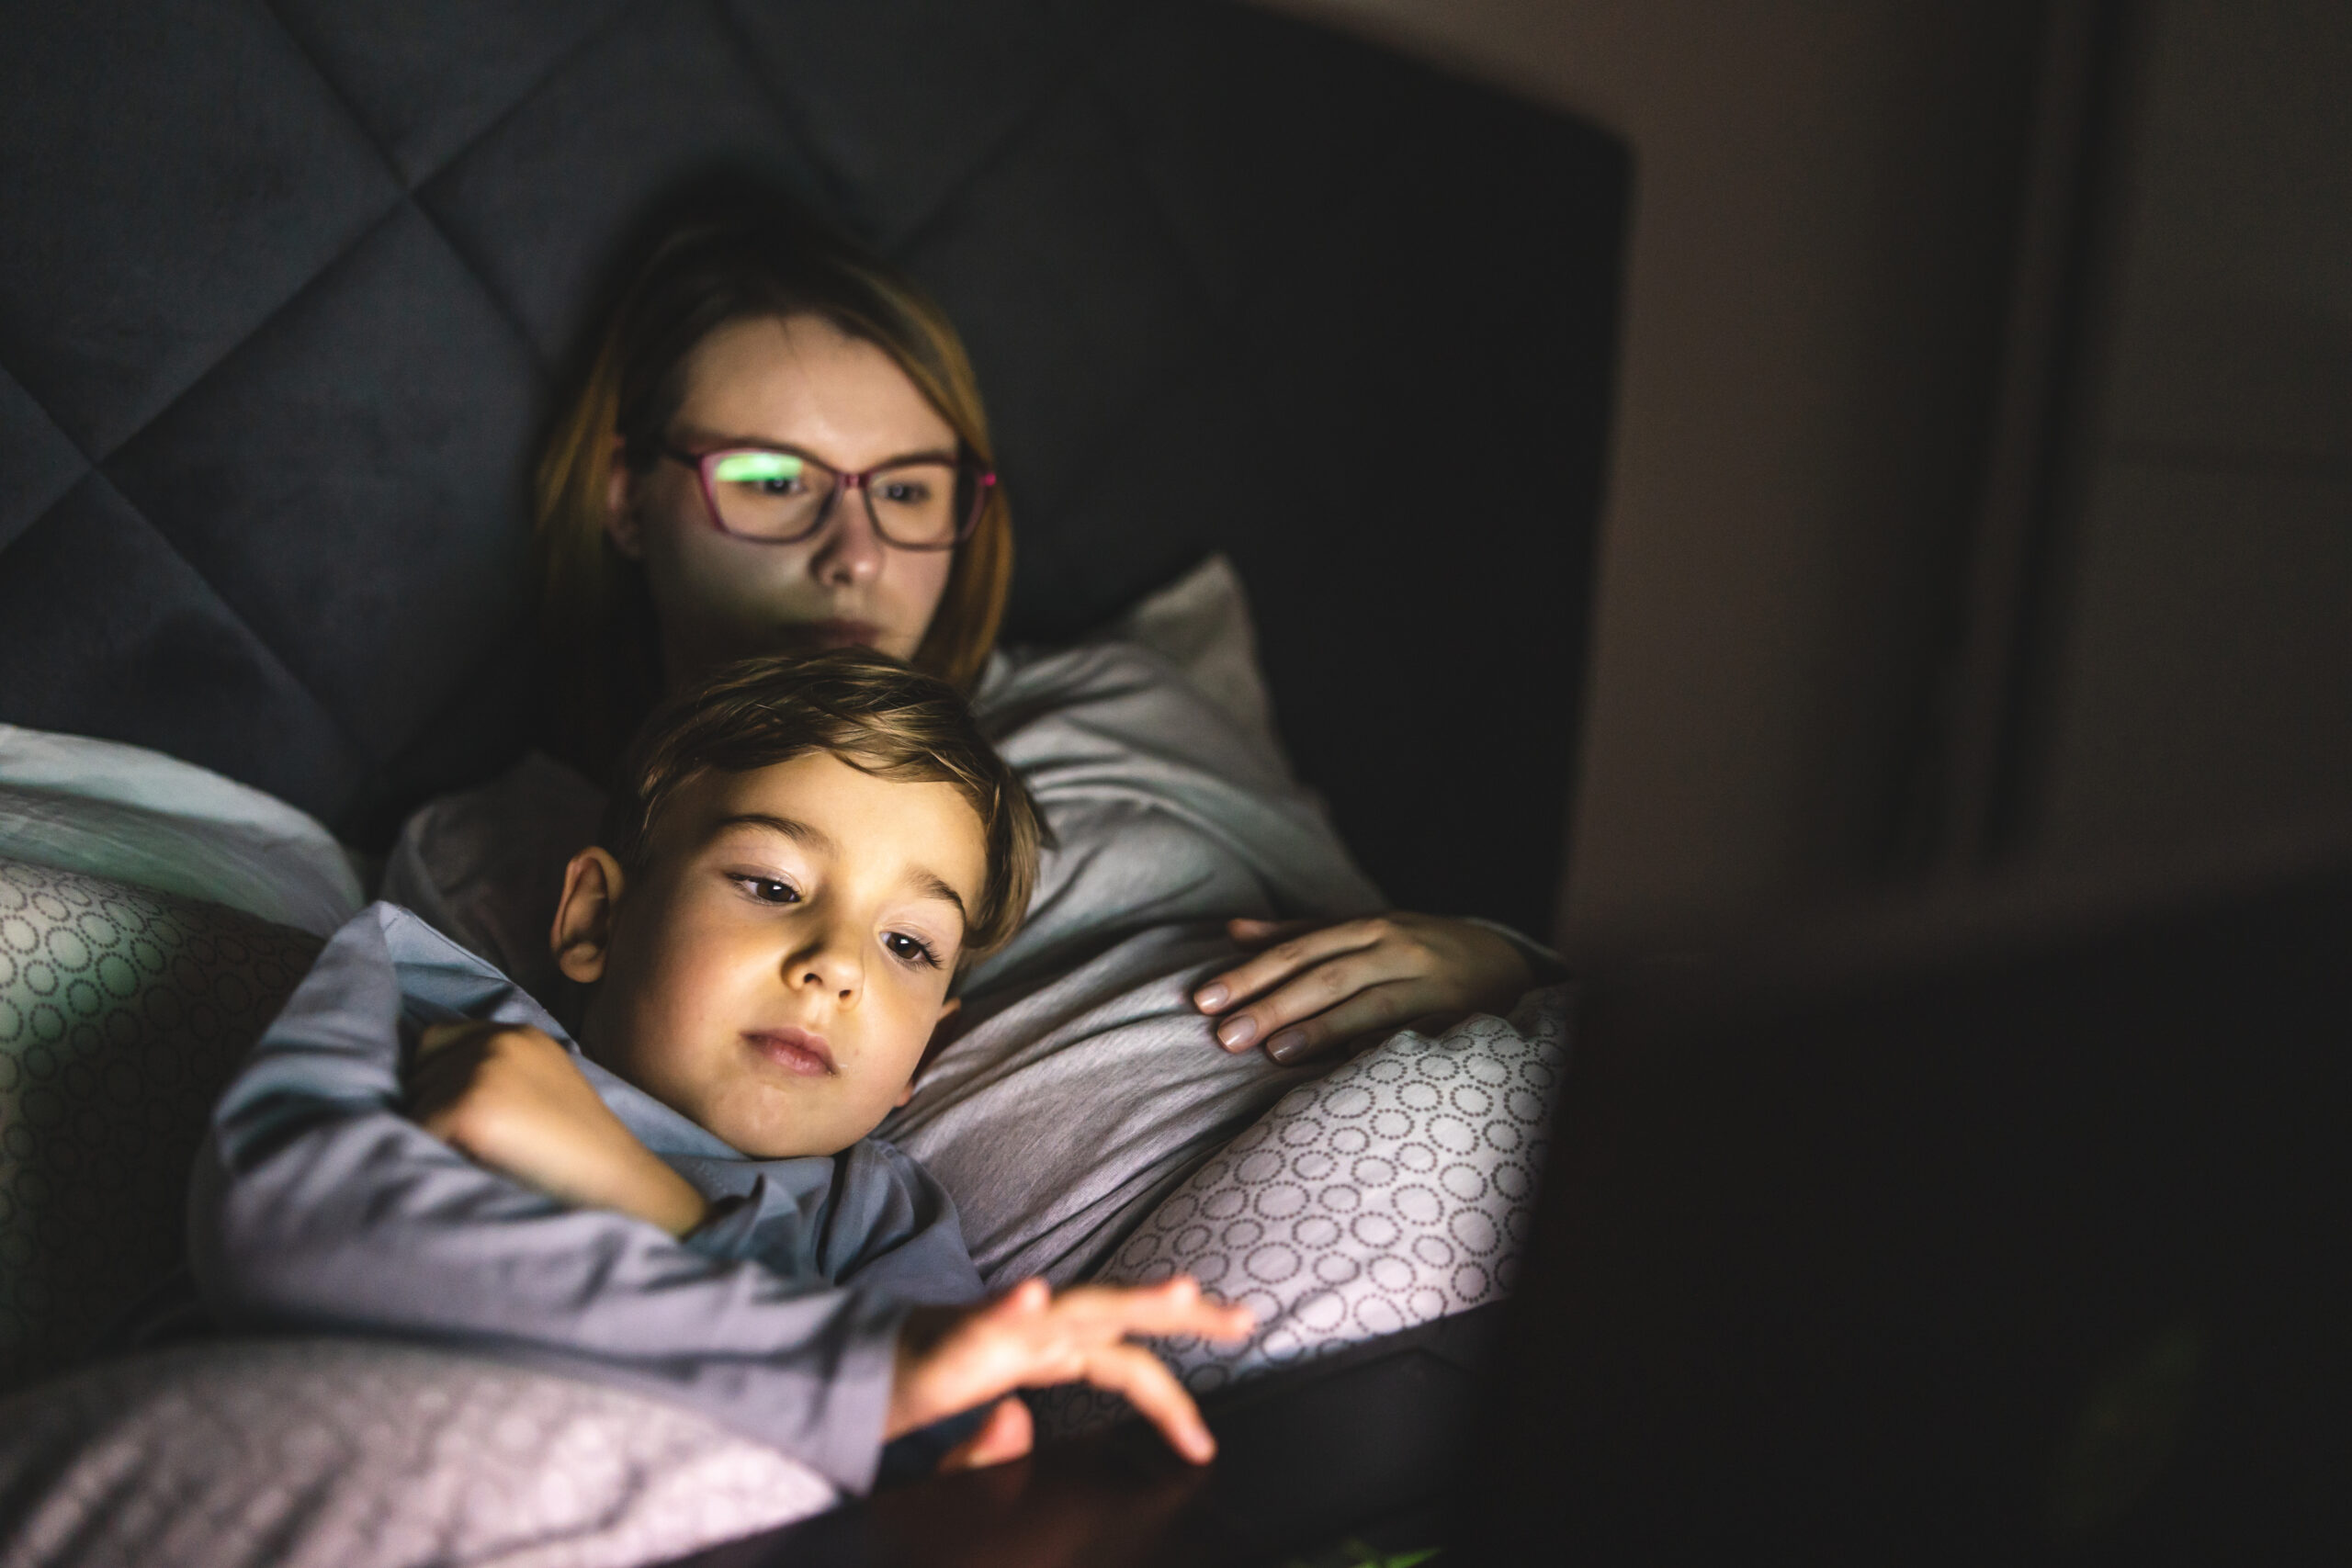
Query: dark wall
[
  {"x": 2191, "y": 686},
  {"x": 1818, "y": 268}
]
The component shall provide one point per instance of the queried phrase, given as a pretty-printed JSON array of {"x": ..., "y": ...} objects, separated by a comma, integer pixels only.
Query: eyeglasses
[{"x": 777, "y": 496}]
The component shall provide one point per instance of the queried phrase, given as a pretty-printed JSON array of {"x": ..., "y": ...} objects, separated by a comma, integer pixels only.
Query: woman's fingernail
[
  {"x": 1286, "y": 1045},
  {"x": 1236, "y": 1032},
  {"x": 1211, "y": 998}
]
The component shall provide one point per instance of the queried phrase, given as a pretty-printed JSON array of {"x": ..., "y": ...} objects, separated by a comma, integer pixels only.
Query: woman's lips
[
  {"x": 794, "y": 1050},
  {"x": 844, "y": 634}
]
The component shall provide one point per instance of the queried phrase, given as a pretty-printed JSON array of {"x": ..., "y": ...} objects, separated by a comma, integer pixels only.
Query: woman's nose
[{"x": 850, "y": 551}]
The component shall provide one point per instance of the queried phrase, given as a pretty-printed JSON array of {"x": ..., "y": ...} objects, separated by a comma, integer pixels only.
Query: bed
[{"x": 284, "y": 289}]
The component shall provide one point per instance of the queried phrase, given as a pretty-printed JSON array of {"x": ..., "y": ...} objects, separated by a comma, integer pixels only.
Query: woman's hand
[
  {"x": 1321, "y": 989},
  {"x": 954, "y": 1360},
  {"x": 509, "y": 1097}
]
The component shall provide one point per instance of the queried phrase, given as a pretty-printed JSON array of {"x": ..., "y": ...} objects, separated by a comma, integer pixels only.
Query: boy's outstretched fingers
[
  {"x": 1170, "y": 1307},
  {"x": 1006, "y": 1435},
  {"x": 1147, "y": 1383},
  {"x": 951, "y": 1360},
  {"x": 1173, "y": 1306}
]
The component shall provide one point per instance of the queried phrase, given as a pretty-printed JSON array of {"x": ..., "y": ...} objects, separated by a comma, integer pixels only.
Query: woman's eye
[
  {"x": 912, "y": 950},
  {"x": 778, "y": 485},
  {"x": 906, "y": 492},
  {"x": 761, "y": 473}
]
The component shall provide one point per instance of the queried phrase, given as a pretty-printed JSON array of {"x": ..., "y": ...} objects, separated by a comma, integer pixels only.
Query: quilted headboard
[{"x": 284, "y": 285}]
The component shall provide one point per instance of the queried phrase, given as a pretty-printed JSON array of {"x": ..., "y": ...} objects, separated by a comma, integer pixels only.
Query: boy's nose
[{"x": 827, "y": 965}]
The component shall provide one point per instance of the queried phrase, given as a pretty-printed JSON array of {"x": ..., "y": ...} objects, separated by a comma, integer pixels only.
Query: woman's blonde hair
[{"x": 596, "y": 618}]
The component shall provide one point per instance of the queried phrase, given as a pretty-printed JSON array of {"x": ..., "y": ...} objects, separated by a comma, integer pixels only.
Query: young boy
[{"x": 684, "y": 1201}]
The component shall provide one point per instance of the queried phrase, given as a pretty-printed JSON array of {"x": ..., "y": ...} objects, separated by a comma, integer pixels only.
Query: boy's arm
[
  {"x": 316, "y": 1205},
  {"x": 508, "y": 1097}
]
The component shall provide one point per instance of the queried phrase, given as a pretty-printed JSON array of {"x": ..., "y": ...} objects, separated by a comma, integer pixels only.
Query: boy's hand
[
  {"x": 1315, "y": 989},
  {"x": 509, "y": 1097},
  {"x": 951, "y": 1360}
]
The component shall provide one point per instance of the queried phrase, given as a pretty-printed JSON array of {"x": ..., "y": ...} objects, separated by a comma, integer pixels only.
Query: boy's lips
[{"x": 794, "y": 1050}]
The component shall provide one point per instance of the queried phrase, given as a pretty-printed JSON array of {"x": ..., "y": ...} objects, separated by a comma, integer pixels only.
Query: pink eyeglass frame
[{"x": 702, "y": 463}]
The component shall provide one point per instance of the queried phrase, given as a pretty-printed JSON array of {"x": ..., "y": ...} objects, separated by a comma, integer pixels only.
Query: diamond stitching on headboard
[
  {"x": 412, "y": 533},
  {"x": 172, "y": 251},
  {"x": 38, "y": 462},
  {"x": 1170, "y": 228},
  {"x": 537, "y": 203},
  {"x": 426, "y": 85}
]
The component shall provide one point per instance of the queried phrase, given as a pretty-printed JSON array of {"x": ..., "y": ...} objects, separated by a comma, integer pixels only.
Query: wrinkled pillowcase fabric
[
  {"x": 123, "y": 812},
  {"x": 1201, "y": 623},
  {"x": 1398, "y": 1189},
  {"x": 347, "y": 1453}
]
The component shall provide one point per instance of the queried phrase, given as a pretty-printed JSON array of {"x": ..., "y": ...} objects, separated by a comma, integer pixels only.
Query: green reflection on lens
[{"x": 756, "y": 467}]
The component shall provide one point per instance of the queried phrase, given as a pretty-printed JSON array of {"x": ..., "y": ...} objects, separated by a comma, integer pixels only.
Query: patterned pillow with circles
[
  {"x": 1397, "y": 1189},
  {"x": 354, "y": 1453},
  {"x": 123, "y": 1011}
]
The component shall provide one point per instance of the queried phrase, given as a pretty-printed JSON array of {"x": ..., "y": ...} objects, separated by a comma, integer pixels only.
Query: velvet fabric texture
[{"x": 285, "y": 289}]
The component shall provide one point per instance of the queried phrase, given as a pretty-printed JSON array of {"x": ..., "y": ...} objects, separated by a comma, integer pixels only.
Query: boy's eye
[
  {"x": 769, "y": 889},
  {"x": 912, "y": 950}
]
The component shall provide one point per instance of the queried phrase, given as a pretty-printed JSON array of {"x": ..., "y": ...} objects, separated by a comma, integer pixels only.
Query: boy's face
[{"x": 776, "y": 967}]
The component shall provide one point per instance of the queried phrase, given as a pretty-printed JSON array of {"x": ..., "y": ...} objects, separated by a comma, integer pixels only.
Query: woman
[{"x": 780, "y": 443}]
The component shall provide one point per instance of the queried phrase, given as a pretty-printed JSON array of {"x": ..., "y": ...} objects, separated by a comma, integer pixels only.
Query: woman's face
[{"x": 797, "y": 382}]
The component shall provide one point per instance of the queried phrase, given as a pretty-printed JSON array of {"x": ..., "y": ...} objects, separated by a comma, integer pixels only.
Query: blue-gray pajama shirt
[{"x": 317, "y": 1205}]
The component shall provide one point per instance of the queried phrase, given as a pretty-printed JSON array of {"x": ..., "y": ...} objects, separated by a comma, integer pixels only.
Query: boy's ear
[
  {"x": 583, "y": 920},
  {"x": 621, "y": 524},
  {"x": 939, "y": 1035}
]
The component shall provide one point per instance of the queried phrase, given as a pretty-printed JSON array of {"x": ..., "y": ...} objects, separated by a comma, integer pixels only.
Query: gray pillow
[
  {"x": 122, "y": 1014},
  {"x": 1200, "y": 623},
  {"x": 351, "y": 1454},
  {"x": 1395, "y": 1191},
  {"x": 131, "y": 814}
]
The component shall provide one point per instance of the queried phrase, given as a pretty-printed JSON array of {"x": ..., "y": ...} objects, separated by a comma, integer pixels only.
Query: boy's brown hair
[{"x": 870, "y": 711}]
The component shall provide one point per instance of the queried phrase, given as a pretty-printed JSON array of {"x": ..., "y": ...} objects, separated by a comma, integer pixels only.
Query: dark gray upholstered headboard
[{"x": 284, "y": 287}]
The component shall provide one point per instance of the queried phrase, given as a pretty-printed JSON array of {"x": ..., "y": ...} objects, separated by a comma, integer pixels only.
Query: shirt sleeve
[
  {"x": 888, "y": 1227},
  {"x": 316, "y": 1204},
  {"x": 1546, "y": 966}
]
